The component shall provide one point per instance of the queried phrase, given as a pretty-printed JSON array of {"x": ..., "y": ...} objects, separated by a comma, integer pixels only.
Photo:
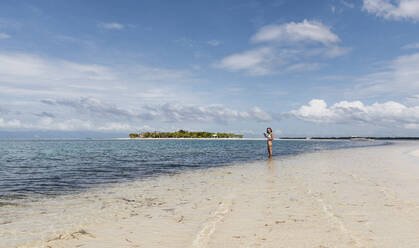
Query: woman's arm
[{"x": 272, "y": 136}]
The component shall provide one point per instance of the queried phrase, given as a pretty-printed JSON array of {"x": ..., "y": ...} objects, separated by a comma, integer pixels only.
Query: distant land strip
[
  {"x": 183, "y": 134},
  {"x": 352, "y": 138}
]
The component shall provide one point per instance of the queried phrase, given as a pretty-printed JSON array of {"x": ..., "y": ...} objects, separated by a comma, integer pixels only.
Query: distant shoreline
[
  {"x": 284, "y": 138},
  {"x": 189, "y": 138}
]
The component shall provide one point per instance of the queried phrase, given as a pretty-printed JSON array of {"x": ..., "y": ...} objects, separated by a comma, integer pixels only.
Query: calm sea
[{"x": 55, "y": 167}]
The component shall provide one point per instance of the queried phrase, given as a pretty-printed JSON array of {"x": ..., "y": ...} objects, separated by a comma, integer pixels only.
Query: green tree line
[{"x": 184, "y": 134}]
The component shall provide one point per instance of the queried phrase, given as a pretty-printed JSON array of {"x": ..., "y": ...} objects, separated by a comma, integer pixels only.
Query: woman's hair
[{"x": 269, "y": 129}]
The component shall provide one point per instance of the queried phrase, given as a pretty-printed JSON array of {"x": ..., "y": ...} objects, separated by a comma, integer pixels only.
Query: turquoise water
[{"x": 54, "y": 167}]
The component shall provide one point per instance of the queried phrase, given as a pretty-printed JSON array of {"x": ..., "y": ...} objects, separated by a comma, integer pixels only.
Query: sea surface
[{"x": 43, "y": 168}]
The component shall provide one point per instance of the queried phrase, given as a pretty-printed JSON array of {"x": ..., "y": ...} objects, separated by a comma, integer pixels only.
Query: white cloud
[
  {"x": 399, "y": 76},
  {"x": 112, "y": 25},
  {"x": 381, "y": 114},
  {"x": 29, "y": 74},
  {"x": 79, "y": 92},
  {"x": 4, "y": 110},
  {"x": 335, "y": 51},
  {"x": 4, "y": 36},
  {"x": 153, "y": 74},
  {"x": 92, "y": 107},
  {"x": 304, "y": 67},
  {"x": 348, "y": 4},
  {"x": 72, "y": 124},
  {"x": 411, "y": 46},
  {"x": 395, "y": 10},
  {"x": 98, "y": 112},
  {"x": 66, "y": 125},
  {"x": 75, "y": 40},
  {"x": 27, "y": 68},
  {"x": 174, "y": 112},
  {"x": 310, "y": 31},
  {"x": 260, "y": 115},
  {"x": 414, "y": 99},
  {"x": 10, "y": 123},
  {"x": 257, "y": 62},
  {"x": 116, "y": 126},
  {"x": 97, "y": 116},
  {"x": 213, "y": 42},
  {"x": 288, "y": 47}
]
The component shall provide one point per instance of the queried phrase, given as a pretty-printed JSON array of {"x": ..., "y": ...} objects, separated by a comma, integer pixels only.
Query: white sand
[
  {"x": 359, "y": 197},
  {"x": 415, "y": 153}
]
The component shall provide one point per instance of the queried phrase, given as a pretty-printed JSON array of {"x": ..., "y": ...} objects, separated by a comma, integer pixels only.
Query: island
[{"x": 184, "y": 134}]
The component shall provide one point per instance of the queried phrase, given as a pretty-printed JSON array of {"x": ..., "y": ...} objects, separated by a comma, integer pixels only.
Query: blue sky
[{"x": 305, "y": 68}]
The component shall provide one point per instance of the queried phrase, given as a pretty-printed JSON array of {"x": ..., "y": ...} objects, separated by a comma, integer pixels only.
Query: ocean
[
  {"x": 57, "y": 190},
  {"x": 47, "y": 168}
]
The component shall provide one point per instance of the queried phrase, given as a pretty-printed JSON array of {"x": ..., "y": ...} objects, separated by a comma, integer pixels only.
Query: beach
[{"x": 355, "y": 197}]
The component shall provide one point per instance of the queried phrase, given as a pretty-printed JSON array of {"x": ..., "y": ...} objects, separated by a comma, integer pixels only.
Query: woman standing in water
[{"x": 269, "y": 135}]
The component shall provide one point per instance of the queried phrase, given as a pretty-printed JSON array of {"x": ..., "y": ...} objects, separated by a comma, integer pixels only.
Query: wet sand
[{"x": 358, "y": 197}]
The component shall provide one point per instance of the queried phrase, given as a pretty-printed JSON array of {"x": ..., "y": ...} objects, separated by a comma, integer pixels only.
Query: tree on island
[
  {"x": 134, "y": 135},
  {"x": 184, "y": 134}
]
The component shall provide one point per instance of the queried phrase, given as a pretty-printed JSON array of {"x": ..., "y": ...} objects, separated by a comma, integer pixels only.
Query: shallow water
[
  {"x": 30, "y": 168},
  {"x": 341, "y": 198}
]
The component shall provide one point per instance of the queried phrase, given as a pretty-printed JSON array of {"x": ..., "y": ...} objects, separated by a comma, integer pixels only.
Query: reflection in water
[
  {"x": 272, "y": 172},
  {"x": 271, "y": 166}
]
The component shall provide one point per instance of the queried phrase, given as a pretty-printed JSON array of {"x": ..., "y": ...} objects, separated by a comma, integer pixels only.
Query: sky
[{"x": 302, "y": 67}]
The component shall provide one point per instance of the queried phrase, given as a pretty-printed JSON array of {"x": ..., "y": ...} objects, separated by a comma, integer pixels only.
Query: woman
[{"x": 269, "y": 135}]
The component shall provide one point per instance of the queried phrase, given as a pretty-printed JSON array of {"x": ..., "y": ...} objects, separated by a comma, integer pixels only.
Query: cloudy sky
[{"x": 305, "y": 68}]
